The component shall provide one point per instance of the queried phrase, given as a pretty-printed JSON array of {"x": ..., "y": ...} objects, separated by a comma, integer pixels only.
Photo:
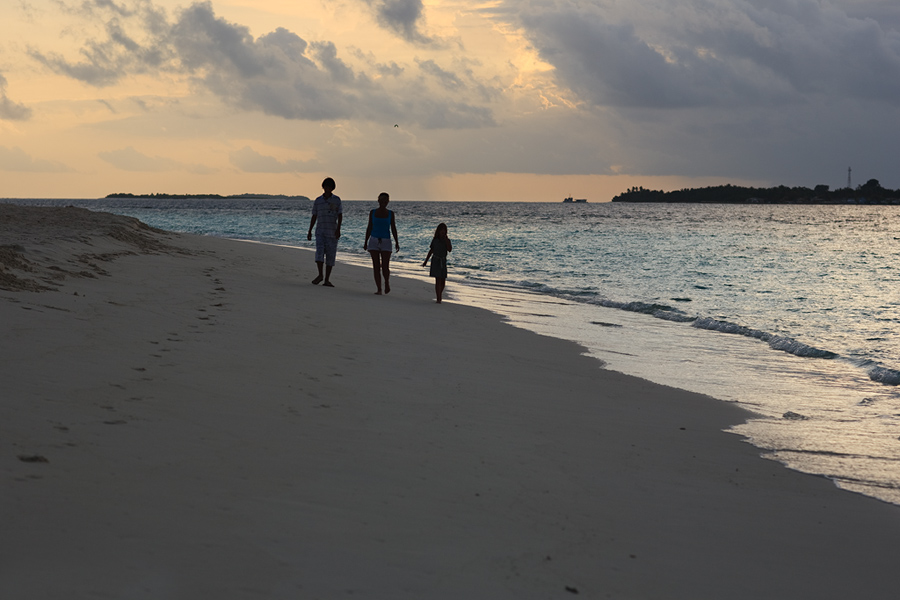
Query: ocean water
[{"x": 790, "y": 311}]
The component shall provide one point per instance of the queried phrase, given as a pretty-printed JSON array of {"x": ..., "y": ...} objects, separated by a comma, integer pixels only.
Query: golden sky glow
[{"x": 498, "y": 100}]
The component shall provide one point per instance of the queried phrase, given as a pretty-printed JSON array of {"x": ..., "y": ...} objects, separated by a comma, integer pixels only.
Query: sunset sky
[{"x": 434, "y": 100}]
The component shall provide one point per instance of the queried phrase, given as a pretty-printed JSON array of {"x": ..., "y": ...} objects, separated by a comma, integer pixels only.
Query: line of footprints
[{"x": 207, "y": 315}]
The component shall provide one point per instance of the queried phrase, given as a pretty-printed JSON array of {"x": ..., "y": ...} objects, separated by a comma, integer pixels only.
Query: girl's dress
[{"x": 438, "y": 258}]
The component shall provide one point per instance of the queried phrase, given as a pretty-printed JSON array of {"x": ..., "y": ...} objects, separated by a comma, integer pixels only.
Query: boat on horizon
[{"x": 571, "y": 199}]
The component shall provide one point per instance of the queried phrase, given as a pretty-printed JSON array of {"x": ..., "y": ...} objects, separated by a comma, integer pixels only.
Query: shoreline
[
  {"x": 215, "y": 426},
  {"x": 785, "y": 416}
]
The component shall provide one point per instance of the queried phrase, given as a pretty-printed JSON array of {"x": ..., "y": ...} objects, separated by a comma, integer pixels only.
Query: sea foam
[{"x": 776, "y": 342}]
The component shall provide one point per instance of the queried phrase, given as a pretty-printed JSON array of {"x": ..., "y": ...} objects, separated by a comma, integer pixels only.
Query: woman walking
[{"x": 378, "y": 241}]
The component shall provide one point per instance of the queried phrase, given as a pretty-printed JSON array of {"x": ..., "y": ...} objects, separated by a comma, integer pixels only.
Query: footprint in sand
[{"x": 33, "y": 458}]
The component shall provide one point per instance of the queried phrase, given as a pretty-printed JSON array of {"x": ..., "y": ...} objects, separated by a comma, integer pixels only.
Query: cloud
[
  {"x": 713, "y": 53},
  {"x": 9, "y": 110},
  {"x": 771, "y": 90},
  {"x": 447, "y": 79},
  {"x": 92, "y": 7},
  {"x": 108, "y": 106},
  {"x": 403, "y": 17},
  {"x": 283, "y": 75},
  {"x": 787, "y": 91},
  {"x": 15, "y": 159},
  {"x": 279, "y": 73},
  {"x": 251, "y": 161},
  {"x": 129, "y": 159},
  {"x": 105, "y": 62},
  {"x": 885, "y": 12}
]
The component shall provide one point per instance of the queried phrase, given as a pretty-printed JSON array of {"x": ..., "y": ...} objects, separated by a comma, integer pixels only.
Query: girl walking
[{"x": 440, "y": 246}]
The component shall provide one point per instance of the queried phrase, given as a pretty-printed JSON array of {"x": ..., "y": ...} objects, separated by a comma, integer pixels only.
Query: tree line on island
[{"x": 870, "y": 192}]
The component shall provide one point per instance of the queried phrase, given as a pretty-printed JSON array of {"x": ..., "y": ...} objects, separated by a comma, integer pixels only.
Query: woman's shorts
[{"x": 379, "y": 244}]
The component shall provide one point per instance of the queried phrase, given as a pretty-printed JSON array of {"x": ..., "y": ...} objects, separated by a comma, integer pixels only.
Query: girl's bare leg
[{"x": 439, "y": 288}]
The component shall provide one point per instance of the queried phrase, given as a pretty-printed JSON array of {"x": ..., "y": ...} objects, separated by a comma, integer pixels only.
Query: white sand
[{"x": 215, "y": 427}]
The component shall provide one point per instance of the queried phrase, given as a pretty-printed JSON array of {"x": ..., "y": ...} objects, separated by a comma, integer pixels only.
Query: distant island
[
  {"x": 203, "y": 196},
  {"x": 870, "y": 192}
]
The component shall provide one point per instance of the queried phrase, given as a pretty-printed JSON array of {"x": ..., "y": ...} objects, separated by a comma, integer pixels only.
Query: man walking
[{"x": 327, "y": 215}]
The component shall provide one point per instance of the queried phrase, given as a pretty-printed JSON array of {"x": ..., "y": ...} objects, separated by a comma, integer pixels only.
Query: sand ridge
[{"x": 41, "y": 246}]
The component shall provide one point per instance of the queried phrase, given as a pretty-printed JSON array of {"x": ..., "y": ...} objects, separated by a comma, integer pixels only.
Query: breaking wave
[
  {"x": 660, "y": 311},
  {"x": 781, "y": 343},
  {"x": 776, "y": 342},
  {"x": 885, "y": 375},
  {"x": 665, "y": 312}
]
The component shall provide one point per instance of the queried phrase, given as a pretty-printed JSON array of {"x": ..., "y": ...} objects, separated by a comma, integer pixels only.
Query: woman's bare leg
[
  {"x": 376, "y": 268},
  {"x": 386, "y": 271}
]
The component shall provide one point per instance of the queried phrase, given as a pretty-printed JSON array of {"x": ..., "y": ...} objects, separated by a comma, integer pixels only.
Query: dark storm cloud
[
  {"x": 278, "y": 73},
  {"x": 784, "y": 91},
  {"x": 9, "y": 110},
  {"x": 884, "y": 12},
  {"x": 609, "y": 64},
  {"x": 714, "y": 52}
]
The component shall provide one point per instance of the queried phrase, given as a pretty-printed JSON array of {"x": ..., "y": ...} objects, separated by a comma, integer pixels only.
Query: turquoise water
[{"x": 791, "y": 311}]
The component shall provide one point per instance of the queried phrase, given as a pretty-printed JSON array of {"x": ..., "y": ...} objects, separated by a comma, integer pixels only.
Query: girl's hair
[
  {"x": 385, "y": 194},
  {"x": 438, "y": 230}
]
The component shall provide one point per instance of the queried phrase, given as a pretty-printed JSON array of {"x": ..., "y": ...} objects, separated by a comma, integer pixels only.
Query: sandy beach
[{"x": 187, "y": 417}]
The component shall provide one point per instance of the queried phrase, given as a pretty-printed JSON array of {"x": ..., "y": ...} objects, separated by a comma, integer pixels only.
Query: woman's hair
[
  {"x": 438, "y": 230},
  {"x": 385, "y": 195},
  {"x": 328, "y": 182}
]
